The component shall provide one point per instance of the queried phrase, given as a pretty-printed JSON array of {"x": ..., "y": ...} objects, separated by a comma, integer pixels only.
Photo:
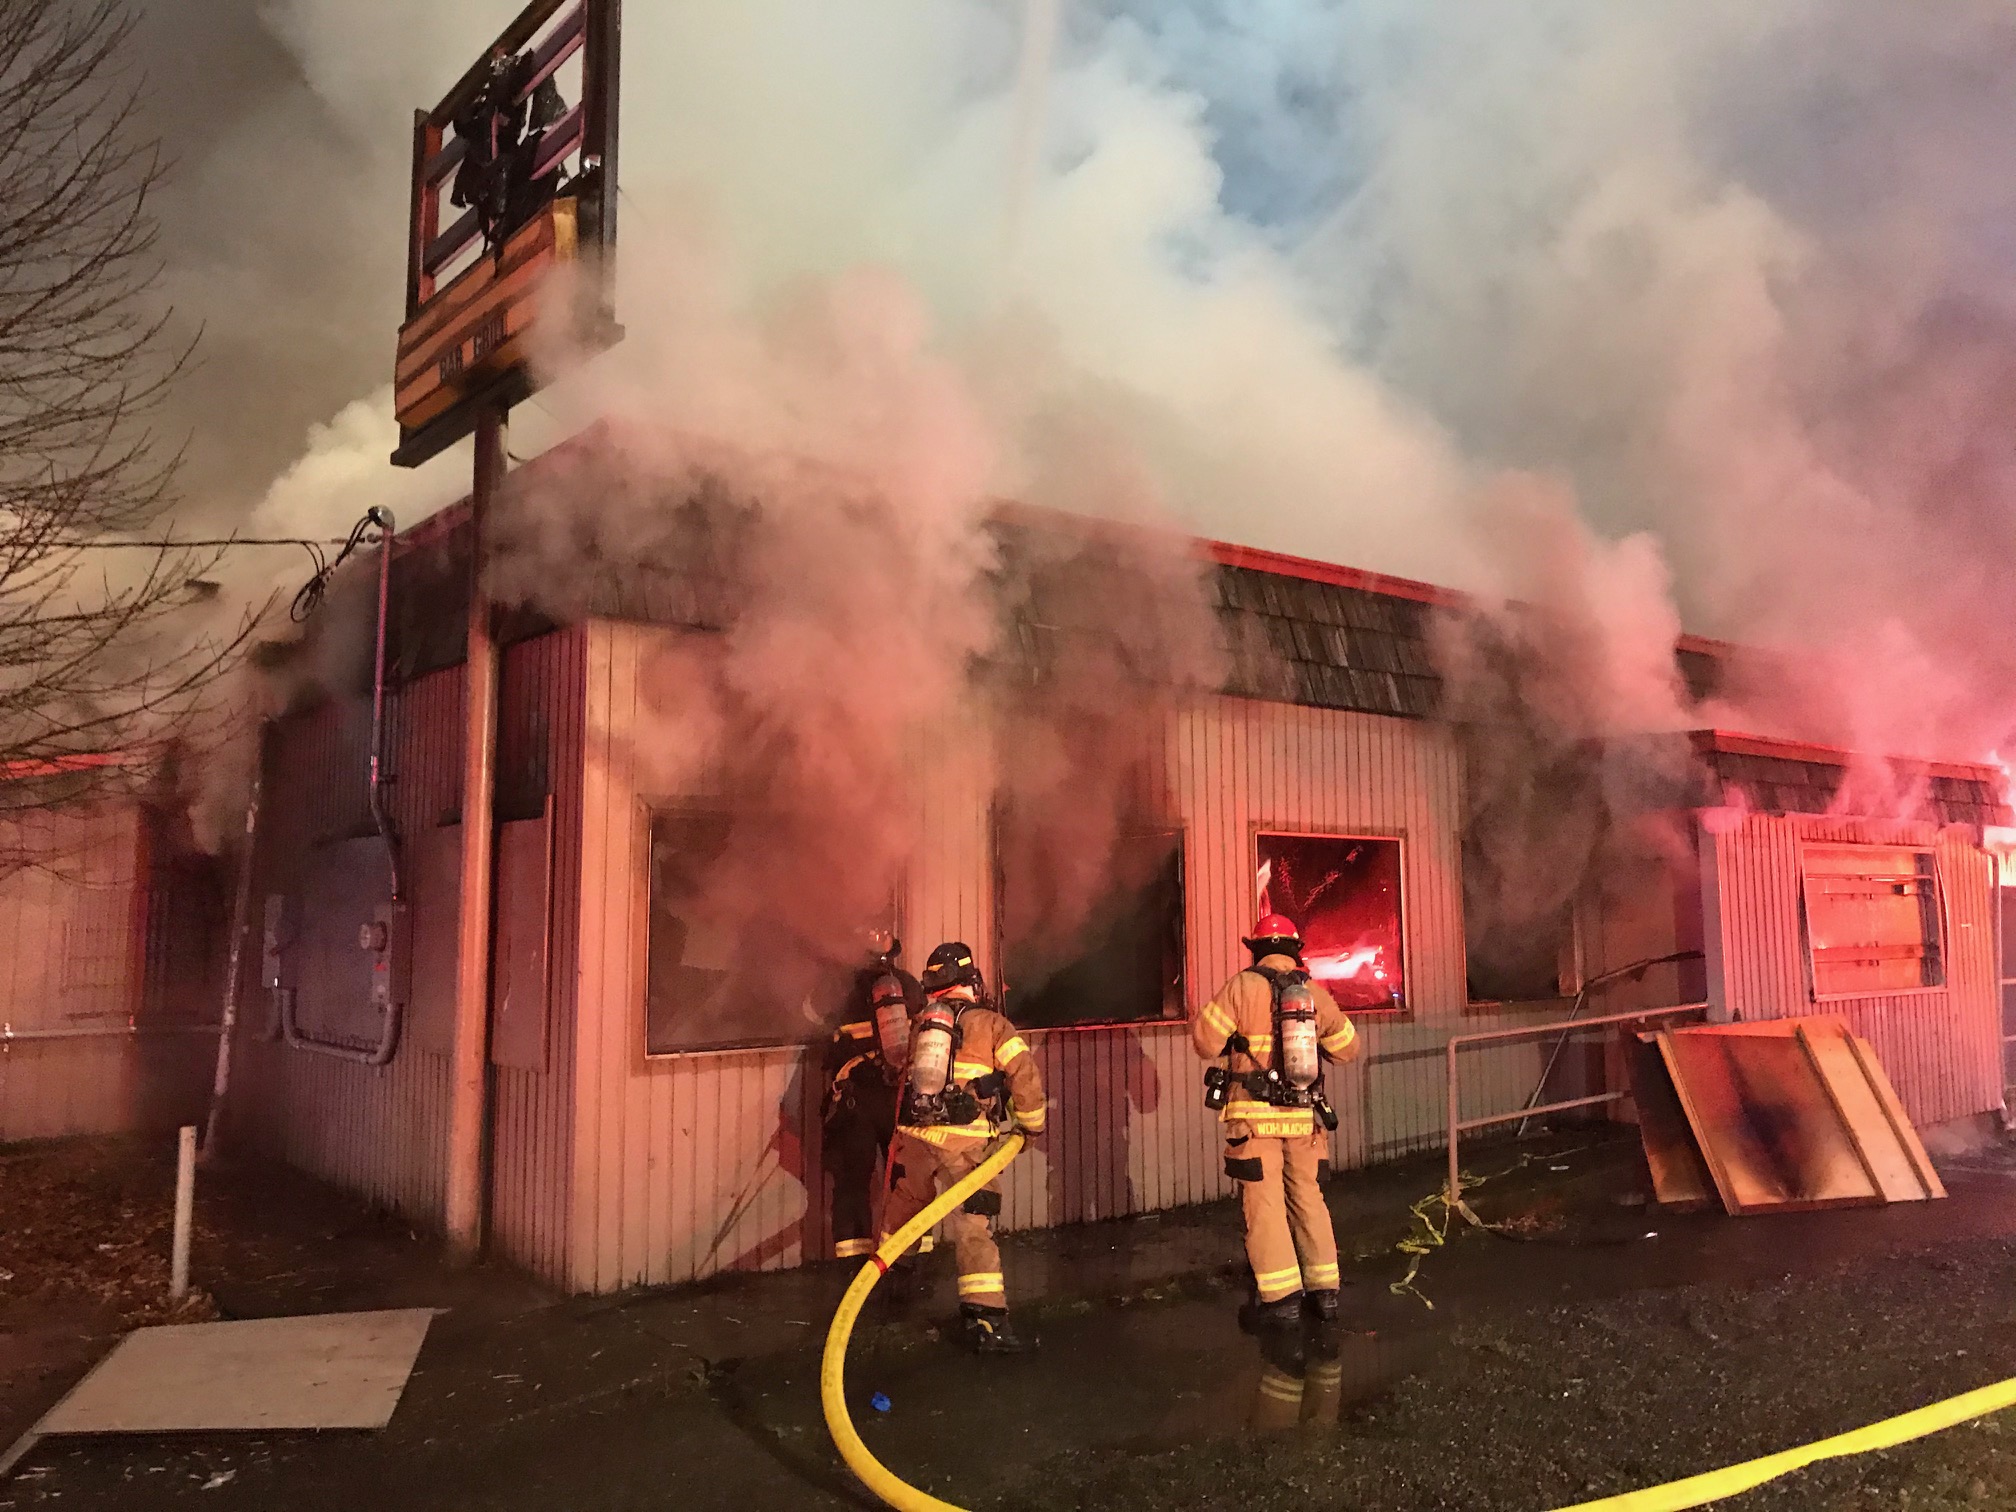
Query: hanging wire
[
  {"x": 309, "y": 599},
  {"x": 218, "y": 543}
]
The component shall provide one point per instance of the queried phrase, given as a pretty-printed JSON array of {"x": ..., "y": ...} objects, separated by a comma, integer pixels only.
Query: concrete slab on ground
[{"x": 336, "y": 1370}]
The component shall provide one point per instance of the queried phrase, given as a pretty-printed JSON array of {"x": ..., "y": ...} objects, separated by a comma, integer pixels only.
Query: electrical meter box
[
  {"x": 387, "y": 940},
  {"x": 348, "y": 962}
]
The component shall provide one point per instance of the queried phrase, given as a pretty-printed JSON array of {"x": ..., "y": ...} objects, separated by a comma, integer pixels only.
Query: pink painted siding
[
  {"x": 75, "y": 938},
  {"x": 377, "y": 1131},
  {"x": 688, "y": 1165},
  {"x": 382, "y": 1131},
  {"x": 1942, "y": 1048},
  {"x": 540, "y": 711}
]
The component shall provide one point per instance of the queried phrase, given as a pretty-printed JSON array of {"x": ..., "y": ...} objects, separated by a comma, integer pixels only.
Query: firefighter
[
  {"x": 967, "y": 1069},
  {"x": 864, "y": 1067},
  {"x": 1270, "y": 1027}
]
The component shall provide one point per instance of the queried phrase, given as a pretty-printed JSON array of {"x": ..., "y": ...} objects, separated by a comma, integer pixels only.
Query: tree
[{"x": 107, "y": 640}]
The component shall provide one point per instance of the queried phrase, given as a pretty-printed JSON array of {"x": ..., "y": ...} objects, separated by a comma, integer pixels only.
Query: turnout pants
[
  {"x": 1289, "y": 1239},
  {"x": 854, "y": 1153},
  {"x": 922, "y": 1170}
]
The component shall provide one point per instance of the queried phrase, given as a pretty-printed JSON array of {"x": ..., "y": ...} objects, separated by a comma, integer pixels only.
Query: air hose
[{"x": 833, "y": 1367}]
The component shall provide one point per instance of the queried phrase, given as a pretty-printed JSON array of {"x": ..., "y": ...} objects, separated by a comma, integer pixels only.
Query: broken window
[
  {"x": 1872, "y": 919},
  {"x": 720, "y": 971},
  {"x": 1123, "y": 964},
  {"x": 1530, "y": 958},
  {"x": 1343, "y": 892}
]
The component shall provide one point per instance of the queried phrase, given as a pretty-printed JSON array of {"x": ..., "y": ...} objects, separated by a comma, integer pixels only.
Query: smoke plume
[{"x": 1334, "y": 276}]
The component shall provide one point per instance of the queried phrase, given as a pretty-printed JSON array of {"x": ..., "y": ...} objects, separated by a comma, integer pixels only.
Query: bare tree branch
[{"x": 103, "y": 655}]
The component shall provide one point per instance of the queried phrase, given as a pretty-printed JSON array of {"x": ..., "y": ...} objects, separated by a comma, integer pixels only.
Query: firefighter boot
[
  {"x": 988, "y": 1330},
  {"x": 904, "y": 1282},
  {"x": 1322, "y": 1305},
  {"x": 1286, "y": 1312}
]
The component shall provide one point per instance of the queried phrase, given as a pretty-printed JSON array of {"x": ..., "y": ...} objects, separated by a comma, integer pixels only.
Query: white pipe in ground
[{"x": 185, "y": 1211}]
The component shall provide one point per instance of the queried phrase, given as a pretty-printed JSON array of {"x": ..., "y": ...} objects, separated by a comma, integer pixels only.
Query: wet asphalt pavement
[{"x": 1612, "y": 1347}]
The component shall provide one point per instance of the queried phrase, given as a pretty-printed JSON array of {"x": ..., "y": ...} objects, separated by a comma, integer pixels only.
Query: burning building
[{"x": 1154, "y": 739}]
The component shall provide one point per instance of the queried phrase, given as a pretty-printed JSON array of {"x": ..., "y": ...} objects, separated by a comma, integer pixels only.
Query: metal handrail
[
  {"x": 8, "y": 1033},
  {"x": 1458, "y": 1125}
]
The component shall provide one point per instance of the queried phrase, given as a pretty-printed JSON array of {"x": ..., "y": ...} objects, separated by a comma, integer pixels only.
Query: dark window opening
[
  {"x": 1532, "y": 965},
  {"x": 1124, "y": 964},
  {"x": 721, "y": 973}
]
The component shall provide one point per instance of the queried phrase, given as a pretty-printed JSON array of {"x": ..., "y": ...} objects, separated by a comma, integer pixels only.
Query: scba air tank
[
  {"x": 931, "y": 1050},
  {"x": 892, "y": 1020},
  {"x": 1295, "y": 1035}
]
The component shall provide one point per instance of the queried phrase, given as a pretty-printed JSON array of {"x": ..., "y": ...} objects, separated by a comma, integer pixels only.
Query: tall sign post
[{"x": 524, "y": 147}]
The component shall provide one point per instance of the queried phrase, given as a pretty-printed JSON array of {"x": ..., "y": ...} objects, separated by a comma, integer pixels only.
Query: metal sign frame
[{"x": 461, "y": 349}]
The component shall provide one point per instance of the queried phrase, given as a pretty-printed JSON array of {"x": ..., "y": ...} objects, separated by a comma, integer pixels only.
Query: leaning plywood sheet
[
  {"x": 1818, "y": 1023},
  {"x": 338, "y": 1370},
  {"x": 1896, "y": 1123},
  {"x": 1765, "y": 1123},
  {"x": 1680, "y": 1177}
]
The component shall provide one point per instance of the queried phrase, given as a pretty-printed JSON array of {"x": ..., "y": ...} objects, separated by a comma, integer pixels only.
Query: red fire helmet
[{"x": 1275, "y": 927}]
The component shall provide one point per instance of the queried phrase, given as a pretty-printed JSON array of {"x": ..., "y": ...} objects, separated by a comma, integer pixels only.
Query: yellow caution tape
[
  {"x": 1427, "y": 1235},
  {"x": 876, "y": 1476},
  {"x": 1699, "y": 1490}
]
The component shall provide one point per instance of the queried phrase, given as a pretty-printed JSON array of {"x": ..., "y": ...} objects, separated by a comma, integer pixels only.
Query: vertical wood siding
[
  {"x": 689, "y": 1165},
  {"x": 539, "y": 735},
  {"x": 74, "y": 936},
  {"x": 378, "y": 1131},
  {"x": 382, "y": 1131},
  {"x": 1942, "y": 1048}
]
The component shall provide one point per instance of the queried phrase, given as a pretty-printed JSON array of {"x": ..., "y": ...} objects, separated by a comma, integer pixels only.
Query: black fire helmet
[{"x": 951, "y": 965}]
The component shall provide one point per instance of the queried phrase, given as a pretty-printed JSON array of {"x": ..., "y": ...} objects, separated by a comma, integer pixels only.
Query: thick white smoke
[{"x": 1734, "y": 274}]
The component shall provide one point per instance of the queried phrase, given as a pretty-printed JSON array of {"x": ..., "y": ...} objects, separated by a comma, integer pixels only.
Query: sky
[{"x": 1683, "y": 312}]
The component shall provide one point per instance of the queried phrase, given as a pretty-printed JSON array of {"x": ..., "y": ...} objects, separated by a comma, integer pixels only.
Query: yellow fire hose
[
  {"x": 1700, "y": 1490},
  {"x": 1697, "y": 1491},
  {"x": 833, "y": 1367}
]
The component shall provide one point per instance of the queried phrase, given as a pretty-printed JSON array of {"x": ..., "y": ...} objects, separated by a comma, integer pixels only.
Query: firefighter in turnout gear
[
  {"x": 968, "y": 1071},
  {"x": 864, "y": 1070},
  {"x": 1269, "y": 1029}
]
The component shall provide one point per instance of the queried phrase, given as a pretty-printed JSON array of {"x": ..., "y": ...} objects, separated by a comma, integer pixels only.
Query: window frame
[
  {"x": 1176, "y": 1010},
  {"x": 1942, "y": 922},
  {"x": 696, "y": 806},
  {"x": 1256, "y": 829}
]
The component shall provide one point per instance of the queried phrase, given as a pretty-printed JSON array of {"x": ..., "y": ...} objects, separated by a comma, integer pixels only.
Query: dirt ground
[
  {"x": 1609, "y": 1346},
  {"x": 85, "y": 1226}
]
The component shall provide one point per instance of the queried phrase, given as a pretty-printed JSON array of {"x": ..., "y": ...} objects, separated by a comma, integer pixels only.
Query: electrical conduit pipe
[
  {"x": 872, "y": 1472},
  {"x": 381, "y": 1053}
]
